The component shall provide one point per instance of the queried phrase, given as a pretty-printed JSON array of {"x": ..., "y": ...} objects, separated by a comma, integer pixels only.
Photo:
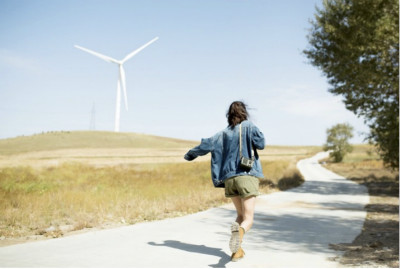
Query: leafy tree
[
  {"x": 338, "y": 141},
  {"x": 356, "y": 45}
]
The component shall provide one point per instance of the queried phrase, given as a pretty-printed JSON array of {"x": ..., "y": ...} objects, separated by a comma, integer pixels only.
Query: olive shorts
[{"x": 243, "y": 186}]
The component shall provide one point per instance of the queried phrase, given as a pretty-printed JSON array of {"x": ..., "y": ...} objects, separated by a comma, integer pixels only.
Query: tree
[
  {"x": 338, "y": 141},
  {"x": 356, "y": 45}
]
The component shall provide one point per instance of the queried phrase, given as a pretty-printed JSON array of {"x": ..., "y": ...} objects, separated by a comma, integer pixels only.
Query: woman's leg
[
  {"x": 237, "y": 201},
  {"x": 245, "y": 186},
  {"x": 237, "y": 232},
  {"x": 245, "y": 215},
  {"x": 245, "y": 211},
  {"x": 248, "y": 205}
]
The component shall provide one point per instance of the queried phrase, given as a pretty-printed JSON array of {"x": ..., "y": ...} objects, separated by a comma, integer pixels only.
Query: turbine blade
[
  {"x": 104, "y": 57},
  {"x": 123, "y": 84},
  {"x": 133, "y": 53}
]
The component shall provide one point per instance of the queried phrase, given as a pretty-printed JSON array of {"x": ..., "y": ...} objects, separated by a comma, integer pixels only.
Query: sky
[{"x": 209, "y": 54}]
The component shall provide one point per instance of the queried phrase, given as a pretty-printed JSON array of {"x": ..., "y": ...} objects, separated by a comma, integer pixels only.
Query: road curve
[{"x": 292, "y": 229}]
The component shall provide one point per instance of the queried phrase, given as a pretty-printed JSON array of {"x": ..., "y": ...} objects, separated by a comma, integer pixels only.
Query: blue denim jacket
[{"x": 225, "y": 157}]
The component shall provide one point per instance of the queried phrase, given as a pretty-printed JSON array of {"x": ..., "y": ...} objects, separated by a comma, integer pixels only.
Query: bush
[{"x": 337, "y": 141}]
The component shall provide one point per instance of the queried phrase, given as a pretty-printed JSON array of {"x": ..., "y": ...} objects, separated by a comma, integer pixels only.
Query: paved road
[{"x": 292, "y": 229}]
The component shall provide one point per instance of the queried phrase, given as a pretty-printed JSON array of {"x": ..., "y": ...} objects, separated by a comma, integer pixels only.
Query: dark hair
[{"x": 237, "y": 113}]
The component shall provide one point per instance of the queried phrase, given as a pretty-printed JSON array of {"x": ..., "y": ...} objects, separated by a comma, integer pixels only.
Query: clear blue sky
[{"x": 209, "y": 53}]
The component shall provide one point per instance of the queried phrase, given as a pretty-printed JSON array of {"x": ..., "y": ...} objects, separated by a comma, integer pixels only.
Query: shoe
[
  {"x": 238, "y": 255},
  {"x": 236, "y": 237}
]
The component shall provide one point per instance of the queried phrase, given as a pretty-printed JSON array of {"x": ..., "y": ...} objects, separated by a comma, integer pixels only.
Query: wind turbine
[{"x": 121, "y": 78}]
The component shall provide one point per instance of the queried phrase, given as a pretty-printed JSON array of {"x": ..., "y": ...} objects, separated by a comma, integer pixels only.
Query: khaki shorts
[{"x": 243, "y": 186}]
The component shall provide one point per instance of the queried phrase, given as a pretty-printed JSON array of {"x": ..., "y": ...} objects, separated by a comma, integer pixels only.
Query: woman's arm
[
  {"x": 257, "y": 138},
  {"x": 205, "y": 147}
]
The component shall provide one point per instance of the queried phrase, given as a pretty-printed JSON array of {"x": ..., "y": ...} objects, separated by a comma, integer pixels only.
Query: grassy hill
[{"x": 87, "y": 139}]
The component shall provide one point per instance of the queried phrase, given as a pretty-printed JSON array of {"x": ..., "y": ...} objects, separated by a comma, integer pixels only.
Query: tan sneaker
[
  {"x": 236, "y": 237},
  {"x": 238, "y": 255}
]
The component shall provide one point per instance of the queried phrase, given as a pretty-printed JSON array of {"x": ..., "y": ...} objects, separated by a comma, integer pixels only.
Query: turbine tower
[
  {"x": 121, "y": 78},
  {"x": 92, "y": 125}
]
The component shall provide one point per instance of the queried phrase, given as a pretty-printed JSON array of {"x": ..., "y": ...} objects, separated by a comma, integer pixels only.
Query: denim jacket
[{"x": 225, "y": 157}]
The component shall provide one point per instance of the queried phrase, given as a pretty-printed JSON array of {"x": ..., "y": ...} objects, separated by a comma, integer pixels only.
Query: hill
[
  {"x": 87, "y": 140},
  {"x": 102, "y": 148}
]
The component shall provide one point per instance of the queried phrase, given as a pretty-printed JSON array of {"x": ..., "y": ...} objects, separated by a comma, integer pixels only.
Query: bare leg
[
  {"x": 245, "y": 216},
  {"x": 248, "y": 205},
  {"x": 237, "y": 233},
  {"x": 237, "y": 201}
]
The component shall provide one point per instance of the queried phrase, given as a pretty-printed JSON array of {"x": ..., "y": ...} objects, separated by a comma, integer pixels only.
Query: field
[
  {"x": 112, "y": 149},
  {"x": 55, "y": 184},
  {"x": 378, "y": 244}
]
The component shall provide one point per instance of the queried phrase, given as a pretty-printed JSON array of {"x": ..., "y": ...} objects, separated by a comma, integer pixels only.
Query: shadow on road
[
  {"x": 335, "y": 187},
  {"x": 197, "y": 249},
  {"x": 311, "y": 231}
]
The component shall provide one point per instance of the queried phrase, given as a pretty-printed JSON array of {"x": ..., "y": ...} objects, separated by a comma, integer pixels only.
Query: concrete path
[{"x": 292, "y": 229}]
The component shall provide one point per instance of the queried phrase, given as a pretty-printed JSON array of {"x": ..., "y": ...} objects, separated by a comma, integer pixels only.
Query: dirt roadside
[{"x": 378, "y": 244}]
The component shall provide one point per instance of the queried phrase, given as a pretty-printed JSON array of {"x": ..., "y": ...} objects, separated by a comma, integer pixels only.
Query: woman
[{"x": 241, "y": 183}]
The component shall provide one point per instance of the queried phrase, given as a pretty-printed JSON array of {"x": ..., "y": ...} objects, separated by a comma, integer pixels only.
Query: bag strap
[
  {"x": 240, "y": 140},
  {"x": 240, "y": 143}
]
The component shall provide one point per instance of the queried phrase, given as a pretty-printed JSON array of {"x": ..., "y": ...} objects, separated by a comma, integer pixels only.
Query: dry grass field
[
  {"x": 378, "y": 244},
  {"x": 59, "y": 183},
  {"x": 110, "y": 149}
]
